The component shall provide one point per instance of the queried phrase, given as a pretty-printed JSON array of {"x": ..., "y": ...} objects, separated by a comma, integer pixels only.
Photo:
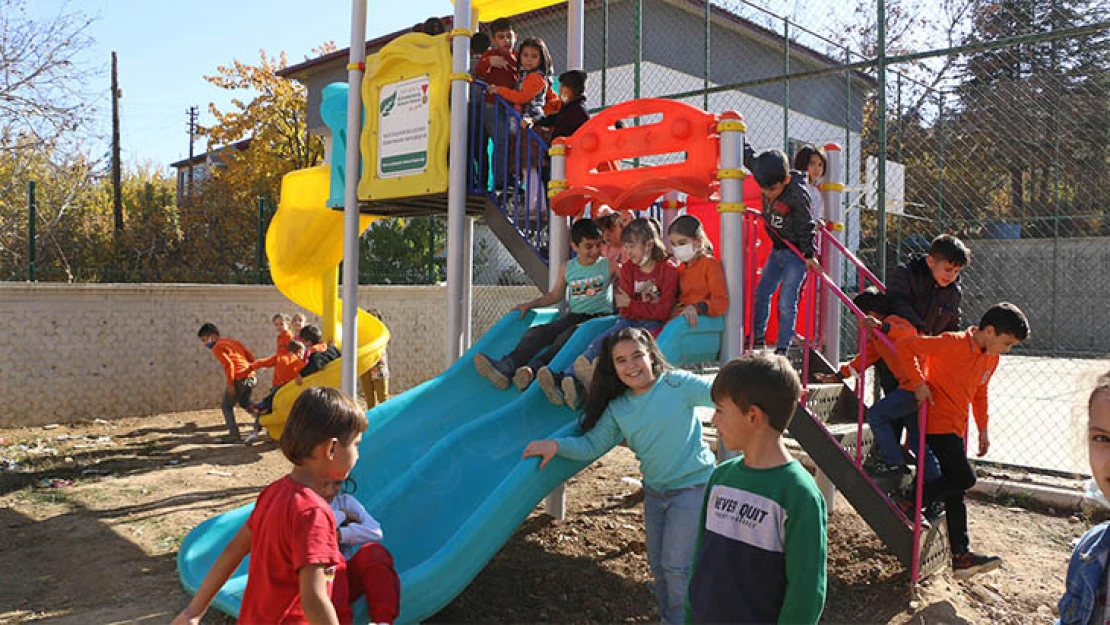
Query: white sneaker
[{"x": 251, "y": 438}]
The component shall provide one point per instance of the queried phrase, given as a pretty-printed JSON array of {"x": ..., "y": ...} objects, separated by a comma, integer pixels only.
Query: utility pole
[
  {"x": 193, "y": 114},
  {"x": 117, "y": 185}
]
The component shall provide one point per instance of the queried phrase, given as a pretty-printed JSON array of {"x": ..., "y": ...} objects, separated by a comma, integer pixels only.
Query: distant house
[{"x": 200, "y": 167}]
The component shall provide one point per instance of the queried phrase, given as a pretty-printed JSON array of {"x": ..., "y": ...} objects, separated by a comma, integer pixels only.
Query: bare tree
[{"x": 43, "y": 89}]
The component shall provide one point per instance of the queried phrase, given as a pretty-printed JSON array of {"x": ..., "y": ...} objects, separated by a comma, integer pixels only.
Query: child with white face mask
[{"x": 701, "y": 279}]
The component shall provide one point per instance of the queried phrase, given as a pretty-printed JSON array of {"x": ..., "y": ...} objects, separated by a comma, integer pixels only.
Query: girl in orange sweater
[
  {"x": 701, "y": 279},
  {"x": 529, "y": 98}
]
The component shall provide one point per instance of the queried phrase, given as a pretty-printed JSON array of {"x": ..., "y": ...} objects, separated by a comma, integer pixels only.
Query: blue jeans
[
  {"x": 899, "y": 407},
  {"x": 671, "y": 523},
  {"x": 594, "y": 349},
  {"x": 784, "y": 268}
]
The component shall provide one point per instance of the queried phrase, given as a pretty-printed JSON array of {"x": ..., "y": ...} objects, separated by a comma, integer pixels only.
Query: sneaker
[
  {"x": 251, "y": 438},
  {"x": 906, "y": 507},
  {"x": 934, "y": 511},
  {"x": 572, "y": 394},
  {"x": 523, "y": 377},
  {"x": 876, "y": 467},
  {"x": 491, "y": 371},
  {"x": 782, "y": 351},
  {"x": 549, "y": 385},
  {"x": 584, "y": 369},
  {"x": 759, "y": 345},
  {"x": 966, "y": 565}
]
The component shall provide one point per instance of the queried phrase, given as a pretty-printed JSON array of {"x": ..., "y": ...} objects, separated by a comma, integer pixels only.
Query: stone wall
[{"x": 80, "y": 352}]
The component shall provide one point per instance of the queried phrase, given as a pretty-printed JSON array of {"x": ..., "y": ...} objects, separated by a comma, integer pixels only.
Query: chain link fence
[{"x": 986, "y": 120}]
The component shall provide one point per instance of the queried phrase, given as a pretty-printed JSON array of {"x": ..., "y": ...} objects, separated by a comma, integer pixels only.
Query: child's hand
[
  {"x": 872, "y": 323},
  {"x": 523, "y": 308},
  {"x": 544, "y": 449},
  {"x": 498, "y": 61},
  {"x": 984, "y": 443},
  {"x": 827, "y": 378},
  {"x": 813, "y": 265},
  {"x": 186, "y": 619},
  {"x": 493, "y": 89},
  {"x": 923, "y": 395},
  {"x": 691, "y": 315},
  {"x": 622, "y": 299},
  {"x": 299, "y": 381},
  {"x": 526, "y": 123}
]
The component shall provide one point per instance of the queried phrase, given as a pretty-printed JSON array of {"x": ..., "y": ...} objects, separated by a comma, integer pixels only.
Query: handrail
[
  {"x": 821, "y": 277},
  {"x": 516, "y": 152},
  {"x": 824, "y": 232}
]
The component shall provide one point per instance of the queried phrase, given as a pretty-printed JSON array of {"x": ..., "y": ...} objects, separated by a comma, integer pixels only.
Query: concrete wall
[
  {"x": 79, "y": 352},
  {"x": 1063, "y": 287}
]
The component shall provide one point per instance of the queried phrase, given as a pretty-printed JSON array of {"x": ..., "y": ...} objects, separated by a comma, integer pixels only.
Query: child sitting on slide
[
  {"x": 585, "y": 282},
  {"x": 701, "y": 279},
  {"x": 370, "y": 569},
  {"x": 319, "y": 352},
  {"x": 646, "y": 297},
  {"x": 287, "y": 364}
]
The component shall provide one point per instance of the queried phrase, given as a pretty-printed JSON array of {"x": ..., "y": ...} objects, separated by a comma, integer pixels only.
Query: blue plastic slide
[{"x": 440, "y": 468}]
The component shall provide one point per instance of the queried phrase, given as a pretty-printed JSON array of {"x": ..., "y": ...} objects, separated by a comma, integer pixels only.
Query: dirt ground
[{"x": 92, "y": 514}]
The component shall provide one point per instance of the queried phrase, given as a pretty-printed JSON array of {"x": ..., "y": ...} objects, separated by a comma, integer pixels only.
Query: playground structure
[{"x": 440, "y": 465}]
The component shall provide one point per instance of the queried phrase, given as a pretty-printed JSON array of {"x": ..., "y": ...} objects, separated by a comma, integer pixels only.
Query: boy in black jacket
[
  {"x": 926, "y": 290},
  {"x": 573, "y": 113},
  {"x": 319, "y": 353},
  {"x": 787, "y": 219}
]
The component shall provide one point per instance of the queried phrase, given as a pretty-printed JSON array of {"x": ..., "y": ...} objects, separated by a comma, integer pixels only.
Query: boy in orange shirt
[
  {"x": 236, "y": 361},
  {"x": 957, "y": 369}
]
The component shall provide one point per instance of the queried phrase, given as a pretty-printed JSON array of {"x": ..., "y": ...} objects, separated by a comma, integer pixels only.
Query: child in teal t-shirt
[
  {"x": 761, "y": 547},
  {"x": 637, "y": 397},
  {"x": 587, "y": 284}
]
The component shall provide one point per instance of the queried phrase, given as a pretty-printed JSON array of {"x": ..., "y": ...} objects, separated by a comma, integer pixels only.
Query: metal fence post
[
  {"x": 638, "y": 35},
  {"x": 604, "y": 48},
  {"x": 705, "y": 79},
  {"x": 32, "y": 216},
  {"x": 261, "y": 237},
  {"x": 881, "y": 201},
  {"x": 786, "y": 87}
]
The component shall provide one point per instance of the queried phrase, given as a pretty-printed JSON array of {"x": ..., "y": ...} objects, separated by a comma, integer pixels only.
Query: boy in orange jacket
[
  {"x": 236, "y": 361},
  {"x": 957, "y": 368}
]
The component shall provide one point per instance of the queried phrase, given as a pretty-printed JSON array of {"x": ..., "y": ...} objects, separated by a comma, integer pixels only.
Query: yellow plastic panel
[
  {"x": 407, "y": 84},
  {"x": 305, "y": 244},
  {"x": 489, "y": 10}
]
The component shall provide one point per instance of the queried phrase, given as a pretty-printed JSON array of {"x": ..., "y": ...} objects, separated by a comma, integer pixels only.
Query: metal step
[{"x": 534, "y": 265}]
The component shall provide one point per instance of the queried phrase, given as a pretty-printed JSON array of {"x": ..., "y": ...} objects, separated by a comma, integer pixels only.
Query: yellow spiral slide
[{"x": 305, "y": 245}]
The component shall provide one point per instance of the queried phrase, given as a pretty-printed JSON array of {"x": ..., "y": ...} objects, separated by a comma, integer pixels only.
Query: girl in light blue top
[{"x": 636, "y": 396}]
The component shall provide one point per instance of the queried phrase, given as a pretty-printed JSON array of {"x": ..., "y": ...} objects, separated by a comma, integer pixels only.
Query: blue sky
[{"x": 166, "y": 48}]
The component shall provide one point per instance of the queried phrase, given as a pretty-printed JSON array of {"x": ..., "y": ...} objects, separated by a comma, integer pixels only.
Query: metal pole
[
  {"x": 458, "y": 267},
  {"x": 604, "y": 48},
  {"x": 558, "y": 227},
  {"x": 32, "y": 217},
  {"x": 940, "y": 159},
  {"x": 831, "y": 190},
  {"x": 705, "y": 79},
  {"x": 847, "y": 153},
  {"x": 261, "y": 245},
  {"x": 786, "y": 87},
  {"x": 355, "y": 69},
  {"x": 881, "y": 73},
  {"x": 731, "y": 127},
  {"x": 899, "y": 220},
  {"x": 638, "y": 34}
]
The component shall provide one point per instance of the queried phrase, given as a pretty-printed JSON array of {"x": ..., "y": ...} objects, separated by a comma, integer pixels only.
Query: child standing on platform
[
  {"x": 1084, "y": 601},
  {"x": 951, "y": 372},
  {"x": 637, "y": 397},
  {"x": 701, "y": 279},
  {"x": 646, "y": 297},
  {"x": 291, "y": 533},
  {"x": 761, "y": 543},
  {"x": 585, "y": 283},
  {"x": 787, "y": 217},
  {"x": 811, "y": 161}
]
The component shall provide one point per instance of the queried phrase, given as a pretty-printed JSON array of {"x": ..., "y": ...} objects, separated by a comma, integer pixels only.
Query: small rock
[
  {"x": 1073, "y": 519},
  {"x": 220, "y": 473},
  {"x": 51, "y": 426}
]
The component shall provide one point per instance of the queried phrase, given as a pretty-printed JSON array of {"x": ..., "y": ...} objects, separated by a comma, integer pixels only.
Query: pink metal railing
[{"x": 814, "y": 280}]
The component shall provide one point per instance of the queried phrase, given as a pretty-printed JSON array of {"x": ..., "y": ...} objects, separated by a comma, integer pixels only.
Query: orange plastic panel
[{"x": 683, "y": 128}]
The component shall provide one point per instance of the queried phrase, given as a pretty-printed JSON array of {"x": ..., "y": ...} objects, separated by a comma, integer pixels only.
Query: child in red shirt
[{"x": 291, "y": 535}]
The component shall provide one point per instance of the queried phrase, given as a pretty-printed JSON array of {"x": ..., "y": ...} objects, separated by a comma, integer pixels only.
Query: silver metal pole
[
  {"x": 731, "y": 128},
  {"x": 459, "y": 261},
  {"x": 558, "y": 228},
  {"x": 355, "y": 68},
  {"x": 833, "y": 262}
]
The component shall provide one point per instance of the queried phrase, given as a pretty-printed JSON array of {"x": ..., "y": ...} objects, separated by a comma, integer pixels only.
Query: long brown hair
[
  {"x": 606, "y": 384},
  {"x": 641, "y": 230}
]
